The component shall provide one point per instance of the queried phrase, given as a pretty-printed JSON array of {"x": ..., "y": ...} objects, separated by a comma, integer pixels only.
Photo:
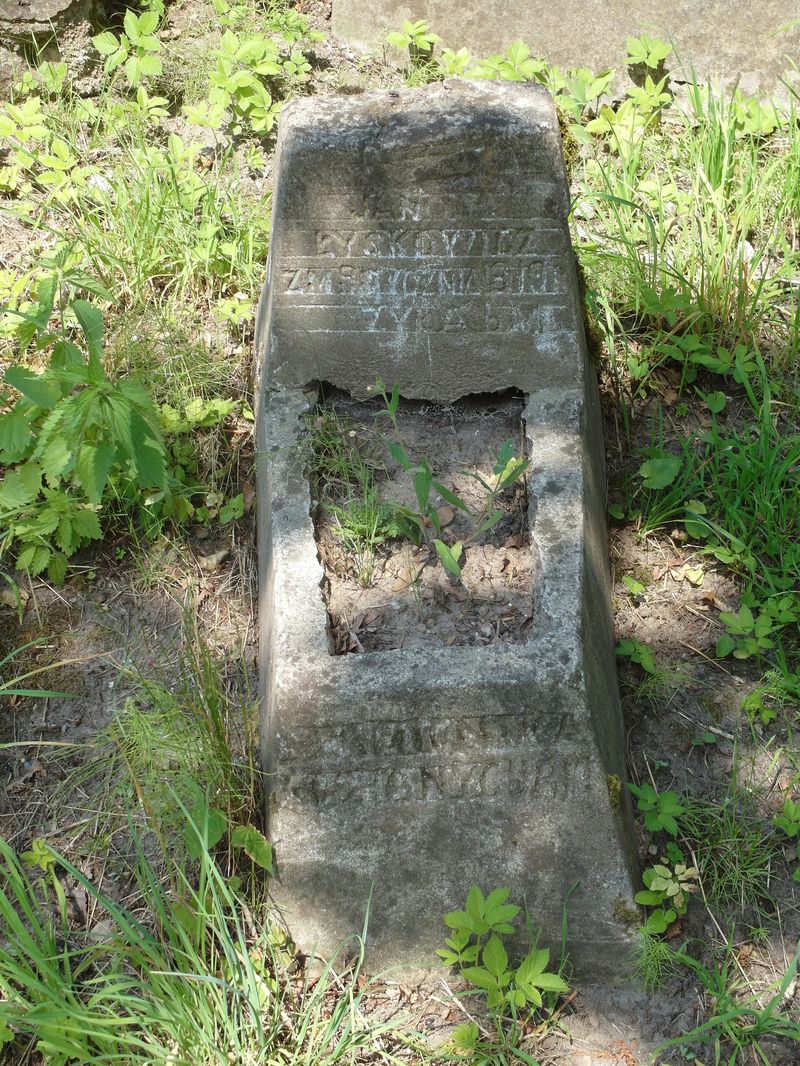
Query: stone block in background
[{"x": 735, "y": 42}]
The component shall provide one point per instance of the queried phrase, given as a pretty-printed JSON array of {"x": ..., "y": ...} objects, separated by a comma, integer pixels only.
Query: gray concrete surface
[
  {"x": 720, "y": 38},
  {"x": 406, "y": 777}
]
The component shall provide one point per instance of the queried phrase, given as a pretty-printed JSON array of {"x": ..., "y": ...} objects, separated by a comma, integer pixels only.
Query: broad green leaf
[
  {"x": 658, "y": 473},
  {"x": 131, "y": 26},
  {"x": 150, "y": 65},
  {"x": 148, "y": 453},
  {"x": 479, "y": 977},
  {"x": 148, "y": 23},
  {"x": 15, "y": 435},
  {"x": 715, "y": 402},
  {"x": 45, "y": 298},
  {"x": 496, "y": 907},
  {"x": 90, "y": 319},
  {"x": 725, "y": 645},
  {"x": 255, "y": 844},
  {"x": 533, "y": 964},
  {"x": 65, "y": 355},
  {"x": 648, "y": 898},
  {"x": 458, "y": 920},
  {"x": 86, "y": 523},
  {"x": 92, "y": 469},
  {"x": 398, "y": 453},
  {"x": 495, "y": 958},
  {"x": 117, "y": 59},
  {"x": 39, "y": 388},
  {"x": 20, "y": 487},
  {"x": 532, "y": 994},
  {"x": 232, "y": 510},
  {"x": 476, "y": 909},
  {"x": 105, "y": 43},
  {"x": 64, "y": 536},
  {"x": 55, "y": 459},
  {"x": 551, "y": 982},
  {"x": 208, "y": 829},
  {"x": 658, "y": 921},
  {"x": 33, "y": 558}
]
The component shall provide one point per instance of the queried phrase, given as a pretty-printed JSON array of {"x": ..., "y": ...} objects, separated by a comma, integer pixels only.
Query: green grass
[
  {"x": 686, "y": 220},
  {"x": 204, "y": 980},
  {"x": 734, "y": 853},
  {"x": 738, "y": 1019},
  {"x": 736, "y": 490}
]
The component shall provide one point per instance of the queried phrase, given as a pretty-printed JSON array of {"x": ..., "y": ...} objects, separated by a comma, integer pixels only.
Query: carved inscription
[
  {"x": 500, "y": 277},
  {"x": 429, "y": 759},
  {"x": 511, "y": 777}
]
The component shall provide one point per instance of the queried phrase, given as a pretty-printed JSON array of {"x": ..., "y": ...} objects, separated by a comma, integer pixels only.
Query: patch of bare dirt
[{"x": 398, "y": 595}]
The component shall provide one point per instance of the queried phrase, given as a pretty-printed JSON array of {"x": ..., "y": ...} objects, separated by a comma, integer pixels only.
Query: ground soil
[
  {"x": 400, "y": 596},
  {"x": 115, "y": 620}
]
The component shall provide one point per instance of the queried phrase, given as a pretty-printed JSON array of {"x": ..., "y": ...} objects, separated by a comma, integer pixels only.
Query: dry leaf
[
  {"x": 711, "y": 598},
  {"x": 210, "y": 563},
  {"x": 31, "y": 769},
  {"x": 744, "y": 953},
  {"x": 694, "y": 575},
  {"x": 446, "y": 515},
  {"x": 248, "y": 495}
]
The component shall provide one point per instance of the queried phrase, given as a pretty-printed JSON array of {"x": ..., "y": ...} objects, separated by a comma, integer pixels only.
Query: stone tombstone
[
  {"x": 750, "y": 45},
  {"x": 421, "y": 236}
]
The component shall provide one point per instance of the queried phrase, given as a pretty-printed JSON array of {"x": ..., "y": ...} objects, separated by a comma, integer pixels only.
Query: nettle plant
[
  {"x": 78, "y": 444},
  {"x": 424, "y": 526},
  {"x": 69, "y": 434},
  {"x": 475, "y": 946}
]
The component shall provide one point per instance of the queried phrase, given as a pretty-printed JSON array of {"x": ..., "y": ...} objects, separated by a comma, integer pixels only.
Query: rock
[{"x": 39, "y": 30}]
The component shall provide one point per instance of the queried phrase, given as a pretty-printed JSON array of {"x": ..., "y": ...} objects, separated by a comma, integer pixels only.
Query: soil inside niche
[{"x": 384, "y": 592}]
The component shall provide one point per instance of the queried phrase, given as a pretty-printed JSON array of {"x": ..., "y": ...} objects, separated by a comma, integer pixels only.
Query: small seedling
[
  {"x": 421, "y": 525},
  {"x": 661, "y": 809},
  {"x": 633, "y": 649},
  {"x": 668, "y": 885},
  {"x": 417, "y": 38},
  {"x": 705, "y": 739},
  {"x": 649, "y": 52},
  {"x": 636, "y": 588}
]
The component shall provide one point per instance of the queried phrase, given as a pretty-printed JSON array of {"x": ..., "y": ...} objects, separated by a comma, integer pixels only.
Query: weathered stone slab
[
  {"x": 735, "y": 42},
  {"x": 416, "y": 774},
  {"x": 423, "y": 238}
]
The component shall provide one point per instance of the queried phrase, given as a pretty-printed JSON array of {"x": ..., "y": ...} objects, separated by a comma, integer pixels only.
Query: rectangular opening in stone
[{"x": 385, "y": 586}]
